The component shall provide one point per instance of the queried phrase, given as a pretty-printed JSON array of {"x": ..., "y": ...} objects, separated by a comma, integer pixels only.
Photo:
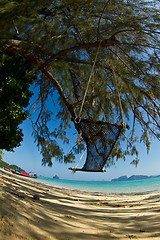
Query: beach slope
[{"x": 31, "y": 210}]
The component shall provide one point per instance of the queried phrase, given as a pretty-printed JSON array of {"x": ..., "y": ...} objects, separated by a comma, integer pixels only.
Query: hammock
[{"x": 100, "y": 138}]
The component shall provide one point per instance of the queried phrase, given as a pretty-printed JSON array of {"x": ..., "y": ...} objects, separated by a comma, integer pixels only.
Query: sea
[{"x": 143, "y": 186}]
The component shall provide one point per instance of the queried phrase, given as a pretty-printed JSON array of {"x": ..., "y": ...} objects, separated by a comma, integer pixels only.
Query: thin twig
[
  {"x": 121, "y": 60},
  {"x": 130, "y": 58}
]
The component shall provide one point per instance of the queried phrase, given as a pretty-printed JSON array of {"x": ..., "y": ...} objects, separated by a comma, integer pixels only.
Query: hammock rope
[
  {"x": 89, "y": 80},
  {"x": 75, "y": 168},
  {"x": 115, "y": 78}
]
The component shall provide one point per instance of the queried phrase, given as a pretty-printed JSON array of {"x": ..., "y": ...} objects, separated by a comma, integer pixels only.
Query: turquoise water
[{"x": 126, "y": 187}]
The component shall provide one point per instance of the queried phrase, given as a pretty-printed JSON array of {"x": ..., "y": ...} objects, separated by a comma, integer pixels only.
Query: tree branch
[
  {"x": 105, "y": 43},
  {"x": 100, "y": 20},
  {"x": 140, "y": 45}
]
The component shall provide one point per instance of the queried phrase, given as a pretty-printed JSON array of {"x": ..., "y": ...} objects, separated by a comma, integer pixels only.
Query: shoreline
[{"x": 32, "y": 210}]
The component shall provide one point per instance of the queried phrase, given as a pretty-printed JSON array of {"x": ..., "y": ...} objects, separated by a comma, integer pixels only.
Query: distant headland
[
  {"x": 7, "y": 166},
  {"x": 133, "y": 177},
  {"x": 56, "y": 177}
]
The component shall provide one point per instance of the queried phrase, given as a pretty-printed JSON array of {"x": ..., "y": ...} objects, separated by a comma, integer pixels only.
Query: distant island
[
  {"x": 56, "y": 177},
  {"x": 133, "y": 177}
]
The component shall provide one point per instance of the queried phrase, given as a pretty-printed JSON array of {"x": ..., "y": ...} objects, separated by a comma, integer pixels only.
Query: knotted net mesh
[{"x": 100, "y": 138}]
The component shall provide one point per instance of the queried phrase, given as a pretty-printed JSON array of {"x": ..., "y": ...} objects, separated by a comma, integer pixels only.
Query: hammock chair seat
[{"x": 100, "y": 138}]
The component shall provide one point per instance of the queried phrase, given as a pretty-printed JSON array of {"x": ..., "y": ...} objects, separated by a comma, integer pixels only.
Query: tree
[
  {"x": 1, "y": 154},
  {"x": 61, "y": 39},
  {"x": 14, "y": 98}
]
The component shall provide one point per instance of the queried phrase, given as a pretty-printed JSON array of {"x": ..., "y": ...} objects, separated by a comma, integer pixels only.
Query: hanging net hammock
[{"x": 100, "y": 138}]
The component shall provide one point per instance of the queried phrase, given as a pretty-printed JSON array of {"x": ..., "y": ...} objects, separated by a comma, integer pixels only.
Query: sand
[{"x": 34, "y": 211}]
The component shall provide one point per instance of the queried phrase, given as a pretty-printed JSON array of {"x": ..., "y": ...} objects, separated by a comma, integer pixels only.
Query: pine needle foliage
[{"x": 60, "y": 38}]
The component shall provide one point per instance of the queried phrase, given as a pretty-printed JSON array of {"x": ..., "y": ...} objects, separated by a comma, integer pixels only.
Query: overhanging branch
[{"x": 105, "y": 43}]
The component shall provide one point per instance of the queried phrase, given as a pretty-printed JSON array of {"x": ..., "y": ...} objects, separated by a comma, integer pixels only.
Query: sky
[{"x": 28, "y": 158}]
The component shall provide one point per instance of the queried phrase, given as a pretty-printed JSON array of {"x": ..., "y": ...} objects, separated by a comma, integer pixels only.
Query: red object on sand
[{"x": 24, "y": 173}]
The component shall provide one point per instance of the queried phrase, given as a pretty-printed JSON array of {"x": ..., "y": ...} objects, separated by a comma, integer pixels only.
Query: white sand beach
[{"x": 34, "y": 211}]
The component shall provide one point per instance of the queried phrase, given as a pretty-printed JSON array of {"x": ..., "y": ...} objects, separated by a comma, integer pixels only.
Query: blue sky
[{"x": 28, "y": 157}]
